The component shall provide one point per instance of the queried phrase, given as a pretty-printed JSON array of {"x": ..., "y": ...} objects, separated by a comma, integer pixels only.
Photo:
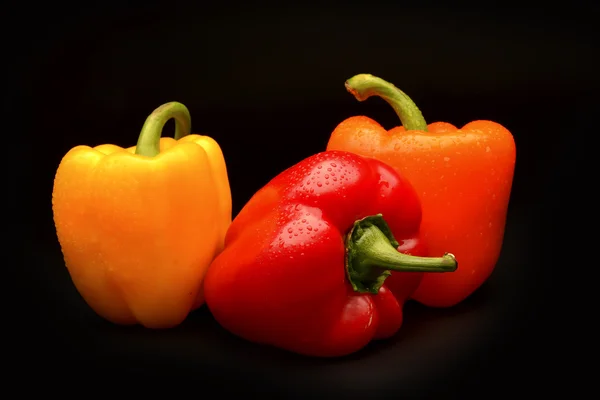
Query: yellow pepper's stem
[
  {"x": 149, "y": 140},
  {"x": 363, "y": 86}
]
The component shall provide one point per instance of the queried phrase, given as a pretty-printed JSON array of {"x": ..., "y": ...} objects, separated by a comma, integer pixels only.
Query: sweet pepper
[
  {"x": 306, "y": 260},
  {"x": 462, "y": 176},
  {"x": 138, "y": 227}
]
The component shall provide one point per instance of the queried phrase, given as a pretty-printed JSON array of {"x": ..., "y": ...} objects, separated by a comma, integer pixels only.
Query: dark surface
[{"x": 267, "y": 84}]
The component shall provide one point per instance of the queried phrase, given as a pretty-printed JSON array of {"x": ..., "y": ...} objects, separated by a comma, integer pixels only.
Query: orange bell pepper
[
  {"x": 139, "y": 227},
  {"x": 463, "y": 178}
]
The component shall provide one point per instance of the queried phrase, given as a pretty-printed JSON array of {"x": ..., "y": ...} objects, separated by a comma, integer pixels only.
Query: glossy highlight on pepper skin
[
  {"x": 281, "y": 278},
  {"x": 139, "y": 232},
  {"x": 463, "y": 178}
]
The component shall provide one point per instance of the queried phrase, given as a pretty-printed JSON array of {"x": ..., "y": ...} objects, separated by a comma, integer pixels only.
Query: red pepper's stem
[
  {"x": 149, "y": 140},
  {"x": 363, "y": 86},
  {"x": 371, "y": 252}
]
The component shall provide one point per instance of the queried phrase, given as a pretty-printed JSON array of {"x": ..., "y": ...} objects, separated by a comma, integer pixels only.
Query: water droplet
[
  {"x": 290, "y": 236},
  {"x": 333, "y": 165},
  {"x": 309, "y": 228},
  {"x": 295, "y": 234},
  {"x": 487, "y": 149},
  {"x": 327, "y": 182},
  {"x": 328, "y": 169},
  {"x": 290, "y": 230},
  {"x": 490, "y": 225},
  {"x": 319, "y": 184},
  {"x": 312, "y": 190},
  {"x": 281, "y": 244},
  {"x": 319, "y": 167},
  {"x": 326, "y": 176},
  {"x": 446, "y": 158},
  {"x": 316, "y": 229},
  {"x": 301, "y": 254},
  {"x": 334, "y": 179}
]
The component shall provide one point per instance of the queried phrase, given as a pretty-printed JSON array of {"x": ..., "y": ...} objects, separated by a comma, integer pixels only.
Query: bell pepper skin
[
  {"x": 305, "y": 260},
  {"x": 139, "y": 227},
  {"x": 462, "y": 176}
]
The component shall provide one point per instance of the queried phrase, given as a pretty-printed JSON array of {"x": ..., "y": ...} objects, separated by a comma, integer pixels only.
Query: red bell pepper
[{"x": 305, "y": 260}]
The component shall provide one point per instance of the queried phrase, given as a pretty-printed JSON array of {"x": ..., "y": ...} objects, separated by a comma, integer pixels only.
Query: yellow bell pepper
[{"x": 139, "y": 227}]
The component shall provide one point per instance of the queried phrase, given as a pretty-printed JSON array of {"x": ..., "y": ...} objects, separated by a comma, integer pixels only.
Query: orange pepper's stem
[
  {"x": 149, "y": 140},
  {"x": 363, "y": 86}
]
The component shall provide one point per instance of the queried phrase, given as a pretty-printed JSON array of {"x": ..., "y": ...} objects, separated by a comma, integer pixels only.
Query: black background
[{"x": 267, "y": 82}]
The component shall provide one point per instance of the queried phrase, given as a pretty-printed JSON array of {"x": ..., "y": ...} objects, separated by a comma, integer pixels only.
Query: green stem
[
  {"x": 149, "y": 140},
  {"x": 363, "y": 86},
  {"x": 371, "y": 253}
]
